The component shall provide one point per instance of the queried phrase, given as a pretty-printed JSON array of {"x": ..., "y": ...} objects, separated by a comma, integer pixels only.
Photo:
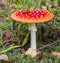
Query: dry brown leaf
[
  {"x": 56, "y": 54},
  {"x": 4, "y": 57}
]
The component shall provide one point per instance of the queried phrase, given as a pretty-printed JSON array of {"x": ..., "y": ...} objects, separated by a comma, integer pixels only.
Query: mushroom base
[{"x": 31, "y": 52}]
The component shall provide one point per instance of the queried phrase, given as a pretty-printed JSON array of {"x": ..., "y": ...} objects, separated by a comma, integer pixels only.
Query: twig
[{"x": 48, "y": 45}]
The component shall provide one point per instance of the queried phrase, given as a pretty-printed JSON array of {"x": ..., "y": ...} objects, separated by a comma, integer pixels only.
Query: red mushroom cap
[{"x": 35, "y": 16}]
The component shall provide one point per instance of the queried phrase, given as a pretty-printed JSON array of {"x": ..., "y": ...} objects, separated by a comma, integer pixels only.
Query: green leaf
[
  {"x": 39, "y": 3},
  {"x": 8, "y": 49},
  {"x": 25, "y": 39},
  {"x": 19, "y": 26},
  {"x": 22, "y": 55},
  {"x": 55, "y": 2}
]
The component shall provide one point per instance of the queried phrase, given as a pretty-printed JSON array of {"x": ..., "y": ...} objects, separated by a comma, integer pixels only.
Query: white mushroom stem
[{"x": 33, "y": 30}]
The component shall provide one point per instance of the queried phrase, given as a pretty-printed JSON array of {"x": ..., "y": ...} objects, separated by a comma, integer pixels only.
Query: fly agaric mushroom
[{"x": 32, "y": 17}]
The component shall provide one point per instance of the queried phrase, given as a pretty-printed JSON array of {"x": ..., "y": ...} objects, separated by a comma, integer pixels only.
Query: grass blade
[{"x": 8, "y": 49}]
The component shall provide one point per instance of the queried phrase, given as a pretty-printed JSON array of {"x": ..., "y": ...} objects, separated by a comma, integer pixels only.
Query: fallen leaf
[
  {"x": 56, "y": 54},
  {"x": 4, "y": 57},
  {"x": 8, "y": 33}
]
